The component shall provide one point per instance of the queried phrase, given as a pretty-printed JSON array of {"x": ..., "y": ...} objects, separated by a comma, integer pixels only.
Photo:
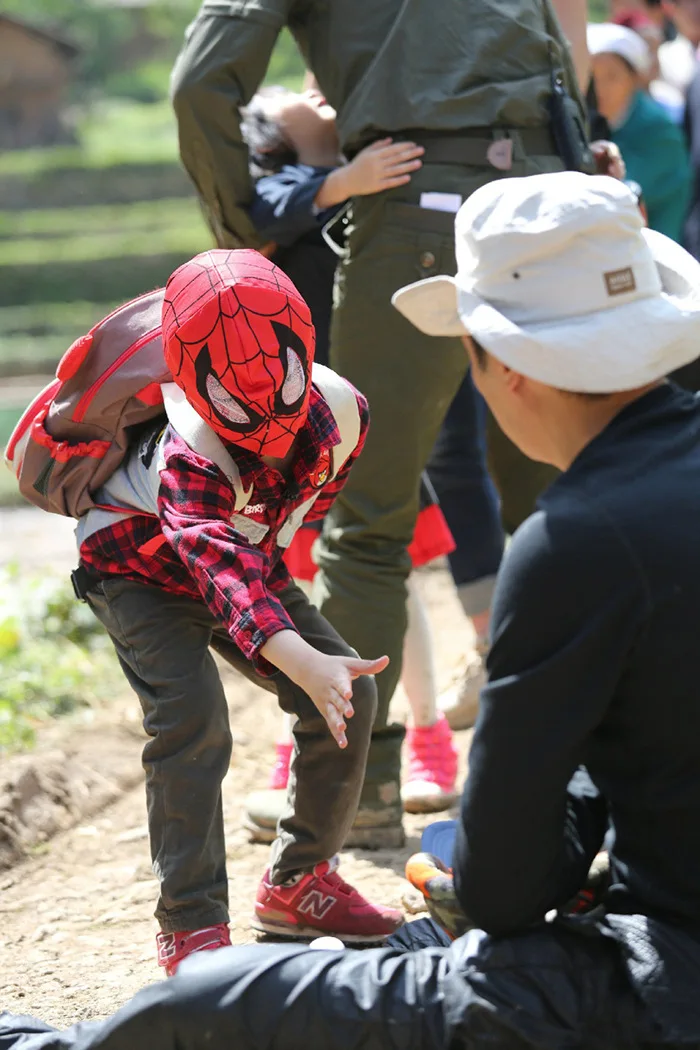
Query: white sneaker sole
[{"x": 309, "y": 933}]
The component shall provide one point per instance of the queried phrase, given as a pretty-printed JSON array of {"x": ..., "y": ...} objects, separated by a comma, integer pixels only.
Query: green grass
[
  {"x": 112, "y": 132},
  {"x": 54, "y": 654},
  {"x": 104, "y": 244},
  {"x": 31, "y": 355},
  {"x": 8, "y": 417},
  {"x": 10, "y": 495},
  {"x": 118, "y": 277},
  {"x": 144, "y": 216},
  {"x": 33, "y": 338},
  {"x": 9, "y": 492},
  {"x": 100, "y": 232},
  {"x": 45, "y": 318}
]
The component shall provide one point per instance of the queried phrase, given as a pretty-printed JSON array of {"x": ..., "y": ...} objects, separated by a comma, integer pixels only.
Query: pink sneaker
[
  {"x": 320, "y": 903},
  {"x": 432, "y": 768},
  {"x": 279, "y": 777},
  {"x": 174, "y": 947}
]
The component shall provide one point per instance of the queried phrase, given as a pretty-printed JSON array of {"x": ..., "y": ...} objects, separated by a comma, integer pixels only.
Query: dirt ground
[{"x": 76, "y": 926}]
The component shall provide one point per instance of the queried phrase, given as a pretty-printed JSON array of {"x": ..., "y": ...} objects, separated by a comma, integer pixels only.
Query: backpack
[{"x": 71, "y": 448}]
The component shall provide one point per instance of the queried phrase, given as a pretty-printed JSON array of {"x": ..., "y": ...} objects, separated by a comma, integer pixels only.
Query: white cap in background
[{"x": 608, "y": 38}]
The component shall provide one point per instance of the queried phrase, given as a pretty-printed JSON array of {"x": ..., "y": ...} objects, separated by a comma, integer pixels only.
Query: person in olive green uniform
[{"x": 469, "y": 81}]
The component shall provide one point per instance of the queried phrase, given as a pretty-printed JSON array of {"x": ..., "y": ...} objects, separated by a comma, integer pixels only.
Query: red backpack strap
[{"x": 19, "y": 437}]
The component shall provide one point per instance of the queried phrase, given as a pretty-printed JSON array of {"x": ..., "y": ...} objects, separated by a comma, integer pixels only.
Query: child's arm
[
  {"x": 300, "y": 198},
  {"x": 382, "y": 166},
  {"x": 195, "y": 504},
  {"x": 283, "y": 208}
]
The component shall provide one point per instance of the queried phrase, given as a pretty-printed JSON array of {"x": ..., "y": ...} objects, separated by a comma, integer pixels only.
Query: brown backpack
[
  {"x": 77, "y": 431},
  {"x": 75, "y": 435}
]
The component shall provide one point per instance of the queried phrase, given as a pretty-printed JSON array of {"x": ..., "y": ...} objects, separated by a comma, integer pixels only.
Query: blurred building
[{"x": 36, "y": 69}]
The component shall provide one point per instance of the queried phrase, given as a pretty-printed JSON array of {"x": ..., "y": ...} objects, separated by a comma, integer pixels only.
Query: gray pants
[{"x": 162, "y": 641}]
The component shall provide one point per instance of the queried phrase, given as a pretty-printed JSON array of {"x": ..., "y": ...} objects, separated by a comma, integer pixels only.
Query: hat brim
[
  {"x": 439, "y": 839},
  {"x": 431, "y": 306},
  {"x": 619, "y": 348}
]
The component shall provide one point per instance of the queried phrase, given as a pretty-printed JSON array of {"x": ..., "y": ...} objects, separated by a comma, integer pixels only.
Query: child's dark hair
[{"x": 269, "y": 151}]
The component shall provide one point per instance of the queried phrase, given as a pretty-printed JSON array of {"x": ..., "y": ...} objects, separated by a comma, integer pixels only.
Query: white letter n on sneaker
[{"x": 316, "y": 904}]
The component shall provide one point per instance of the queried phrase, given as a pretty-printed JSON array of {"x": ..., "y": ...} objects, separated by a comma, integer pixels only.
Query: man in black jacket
[{"x": 574, "y": 315}]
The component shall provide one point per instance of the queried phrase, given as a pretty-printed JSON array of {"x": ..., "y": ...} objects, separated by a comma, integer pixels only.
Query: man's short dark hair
[
  {"x": 482, "y": 357},
  {"x": 479, "y": 352}
]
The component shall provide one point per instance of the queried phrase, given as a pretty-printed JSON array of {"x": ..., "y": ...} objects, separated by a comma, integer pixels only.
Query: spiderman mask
[{"x": 239, "y": 342}]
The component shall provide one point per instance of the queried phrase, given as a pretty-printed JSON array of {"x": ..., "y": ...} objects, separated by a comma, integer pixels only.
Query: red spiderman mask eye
[{"x": 239, "y": 341}]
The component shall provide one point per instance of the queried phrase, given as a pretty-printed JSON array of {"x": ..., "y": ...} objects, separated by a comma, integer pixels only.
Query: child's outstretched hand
[
  {"x": 327, "y": 680},
  {"x": 382, "y": 166}
]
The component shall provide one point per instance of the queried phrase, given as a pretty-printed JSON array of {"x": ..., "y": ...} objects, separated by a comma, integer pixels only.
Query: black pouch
[{"x": 568, "y": 130}]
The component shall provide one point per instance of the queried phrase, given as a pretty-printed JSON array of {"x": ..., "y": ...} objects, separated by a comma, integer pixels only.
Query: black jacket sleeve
[
  {"x": 282, "y": 208},
  {"x": 567, "y": 609}
]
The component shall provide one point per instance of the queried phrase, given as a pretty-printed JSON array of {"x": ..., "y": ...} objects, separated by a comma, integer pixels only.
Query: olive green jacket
[{"x": 386, "y": 66}]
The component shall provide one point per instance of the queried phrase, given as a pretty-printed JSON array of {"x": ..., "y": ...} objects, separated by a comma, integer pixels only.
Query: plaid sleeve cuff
[{"x": 252, "y": 632}]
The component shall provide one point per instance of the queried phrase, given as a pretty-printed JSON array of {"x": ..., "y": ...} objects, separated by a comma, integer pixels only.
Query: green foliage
[
  {"x": 144, "y": 216},
  {"x": 111, "y": 277},
  {"x": 8, "y": 417},
  {"x": 108, "y": 35},
  {"x": 128, "y": 51},
  {"x": 34, "y": 337},
  {"x": 54, "y": 655},
  {"x": 110, "y": 132},
  {"x": 598, "y": 10},
  {"x": 9, "y": 493},
  {"x": 286, "y": 64},
  {"x": 189, "y": 238}
]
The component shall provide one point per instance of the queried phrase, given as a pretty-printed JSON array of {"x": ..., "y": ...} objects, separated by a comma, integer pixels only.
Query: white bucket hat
[
  {"x": 559, "y": 280},
  {"x": 608, "y": 38}
]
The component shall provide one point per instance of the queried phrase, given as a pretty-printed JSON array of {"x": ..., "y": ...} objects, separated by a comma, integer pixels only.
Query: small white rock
[{"x": 331, "y": 944}]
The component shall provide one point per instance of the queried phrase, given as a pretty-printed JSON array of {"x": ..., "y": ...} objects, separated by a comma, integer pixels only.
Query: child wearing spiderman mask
[{"x": 257, "y": 440}]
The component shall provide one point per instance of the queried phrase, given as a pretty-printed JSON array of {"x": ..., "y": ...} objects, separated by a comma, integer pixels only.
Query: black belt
[
  {"x": 84, "y": 580},
  {"x": 471, "y": 146}
]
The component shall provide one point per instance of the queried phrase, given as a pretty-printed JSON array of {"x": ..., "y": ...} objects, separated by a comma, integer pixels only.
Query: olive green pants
[{"x": 409, "y": 380}]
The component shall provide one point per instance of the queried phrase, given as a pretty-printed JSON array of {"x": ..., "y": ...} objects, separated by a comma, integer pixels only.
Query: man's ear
[{"x": 513, "y": 380}]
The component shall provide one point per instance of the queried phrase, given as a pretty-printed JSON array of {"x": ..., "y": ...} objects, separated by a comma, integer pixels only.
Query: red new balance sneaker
[
  {"x": 174, "y": 947},
  {"x": 318, "y": 904}
]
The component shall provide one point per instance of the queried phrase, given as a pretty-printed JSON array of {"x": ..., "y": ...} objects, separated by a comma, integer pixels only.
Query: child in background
[
  {"x": 652, "y": 146},
  {"x": 301, "y": 184}
]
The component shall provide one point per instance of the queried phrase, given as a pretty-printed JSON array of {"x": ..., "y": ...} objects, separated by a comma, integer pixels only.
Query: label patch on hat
[{"x": 620, "y": 281}]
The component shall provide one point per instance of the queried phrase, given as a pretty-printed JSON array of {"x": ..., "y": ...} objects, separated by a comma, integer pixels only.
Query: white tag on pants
[{"x": 441, "y": 201}]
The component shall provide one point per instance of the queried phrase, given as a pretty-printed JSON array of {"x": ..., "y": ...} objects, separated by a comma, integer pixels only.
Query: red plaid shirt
[{"x": 193, "y": 548}]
